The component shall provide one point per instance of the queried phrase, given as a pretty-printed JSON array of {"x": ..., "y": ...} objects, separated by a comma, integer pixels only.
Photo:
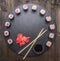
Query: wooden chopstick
[
  {"x": 29, "y": 43},
  {"x": 33, "y": 44}
]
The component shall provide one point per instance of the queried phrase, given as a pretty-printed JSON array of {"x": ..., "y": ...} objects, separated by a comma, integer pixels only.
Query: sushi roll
[
  {"x": 9, "y": 41},
  {"x": 7, "y": 24},
  {"x": 6, "y": 33},
  {"x": 52, "y": 27},
  {"x": 42, "y": 11},
  {"x": 34, "y": 7},
  {"x": 48, "y": 43},
  {"x": 51, "y": 35},
  {"x": 17, "y": 11},
  {"x": 11, "y": 16},
  {"x": 25, "y": 7},
  {"x": 48, "y": 18}
]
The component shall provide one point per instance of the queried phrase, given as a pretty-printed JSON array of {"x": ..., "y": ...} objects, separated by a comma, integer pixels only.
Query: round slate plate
[{"x": 29, "y": 23}]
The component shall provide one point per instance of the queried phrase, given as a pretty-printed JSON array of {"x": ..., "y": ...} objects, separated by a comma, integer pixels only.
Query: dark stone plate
[{"x": 29, "y": 23}]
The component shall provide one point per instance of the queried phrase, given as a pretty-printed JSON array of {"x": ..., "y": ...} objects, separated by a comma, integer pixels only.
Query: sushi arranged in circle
[{"x": 29, "y": 26}]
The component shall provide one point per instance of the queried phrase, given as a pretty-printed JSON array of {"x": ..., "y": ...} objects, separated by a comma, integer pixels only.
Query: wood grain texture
[
  {"x": 58, "y": 19},
  {"x": 53, "y": 54}
]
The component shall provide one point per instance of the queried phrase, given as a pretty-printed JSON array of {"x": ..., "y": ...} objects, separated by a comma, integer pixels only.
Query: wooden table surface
[{"x": 53, "y": 54}]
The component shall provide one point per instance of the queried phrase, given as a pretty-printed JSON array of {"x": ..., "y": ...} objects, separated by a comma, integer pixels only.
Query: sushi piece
[
  {"x": 34, "y": 7},
  {"x": 7, "y": 24},
  {"x": 42, "y": 11},
  {"x": 11, "y": 16},
  {"x": 6, "y": 33},
  {"x": 17, "y": 11},
  {"x": 48, "y": 18},
  {"x": 48, "y": 43},
  {"x": 25, "y": 7},
  {"x": 9, "y": 41},
  {"x": 51, "y": 35},
  {"x": 52, "y": 27}
]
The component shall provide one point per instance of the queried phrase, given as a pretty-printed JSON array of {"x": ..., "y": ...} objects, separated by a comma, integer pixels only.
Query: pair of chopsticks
[{"x": 32, "y": 43}]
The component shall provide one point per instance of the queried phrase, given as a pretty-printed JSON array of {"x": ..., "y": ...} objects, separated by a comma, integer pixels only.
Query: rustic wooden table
[{"x": 53, "y": 54}]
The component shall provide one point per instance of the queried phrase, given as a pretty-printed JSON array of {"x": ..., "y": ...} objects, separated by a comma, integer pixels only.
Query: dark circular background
[{"x": 29, "y": 23}]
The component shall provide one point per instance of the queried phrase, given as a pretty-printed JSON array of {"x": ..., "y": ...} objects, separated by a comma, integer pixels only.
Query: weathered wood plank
[
  {"x": 58, "y": 19},
  {"x": 53, "y": 54}
]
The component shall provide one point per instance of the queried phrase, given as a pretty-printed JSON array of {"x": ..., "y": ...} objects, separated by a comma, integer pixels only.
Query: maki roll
[
  {"x": 48, "y": 19},
  {"x": 7, "y": 24},
  {"x": 6, "y": 33},
  {"x": 48, "y": 43},
  {"x": 42, "y": 11},
  {"x": 34, "y": 7},
  {"x": 25, "y": 7},
  {"x": 52, "y": 27},
  {"x": 9, "y": 41},
  {"x": 51, "y": 35},
  {"x": 17, "y": 11},
  {"x": 11, "y": 16}
]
